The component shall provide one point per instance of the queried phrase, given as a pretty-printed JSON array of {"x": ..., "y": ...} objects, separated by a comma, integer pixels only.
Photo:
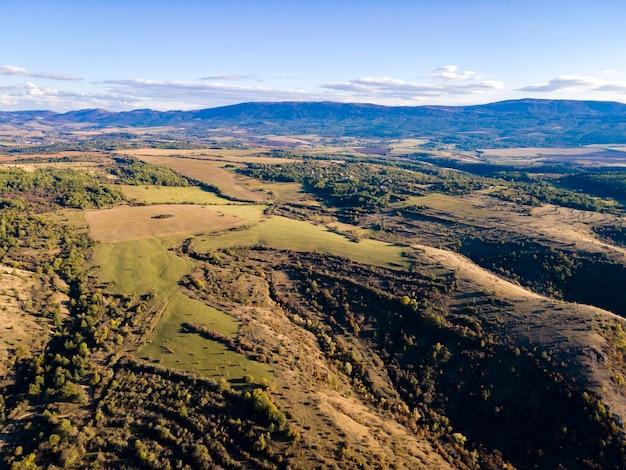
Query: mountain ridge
[{"x": 525, "y": 122}]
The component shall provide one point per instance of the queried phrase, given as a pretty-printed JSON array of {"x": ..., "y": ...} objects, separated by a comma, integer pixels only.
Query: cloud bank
[
  {"x": 576, "y": 84},
  {"x": 385, "y": 87},
  {"x": 200, "y": 94},
  {"x": 443, "y": 85},
  {"x": 13, "y": 70},
  {"x": 30, "y": 96}
]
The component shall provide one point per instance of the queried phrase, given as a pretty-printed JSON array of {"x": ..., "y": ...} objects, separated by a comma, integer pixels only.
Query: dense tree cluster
[
  {"x": 135, "y": 172},
  {"x": 543, "y": 192},
  {"x": 63, "y": 187},
  {"x": 609, "y": 184}
]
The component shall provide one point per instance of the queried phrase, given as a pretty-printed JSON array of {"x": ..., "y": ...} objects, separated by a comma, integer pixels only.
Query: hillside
[{"x": 242, "y": 300}]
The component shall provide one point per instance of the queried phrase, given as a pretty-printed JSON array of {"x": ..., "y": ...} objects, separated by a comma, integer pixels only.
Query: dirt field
[{"x": 137, "y": 223}]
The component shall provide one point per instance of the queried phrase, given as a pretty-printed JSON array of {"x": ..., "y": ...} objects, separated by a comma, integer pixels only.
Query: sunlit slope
[
  {"x": 570, "y": 333},
  {"x": 171, "y": 195},
  {"x": 146, "y": 267},
  {"x": 288, "y": 234}
]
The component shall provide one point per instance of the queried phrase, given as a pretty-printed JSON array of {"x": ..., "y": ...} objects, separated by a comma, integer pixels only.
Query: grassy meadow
[
  {"x": 171, "y": 195},
  {"x": 138, "y": 266},
  {"x": 209, "y": 172},
  {"x": 172, "y": 347},
  {"x": 134, "y": 268},
  {"x": 288, "y": 234}
]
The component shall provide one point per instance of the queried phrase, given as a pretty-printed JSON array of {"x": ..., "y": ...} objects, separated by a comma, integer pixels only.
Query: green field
[
  {"x": 171, "y": 347},
  {"x": 288, "y": 234},
  {"x": 137, "y": 267},
  {"x": 172, "y": 195},
  {"x": 461, "y": 207}
]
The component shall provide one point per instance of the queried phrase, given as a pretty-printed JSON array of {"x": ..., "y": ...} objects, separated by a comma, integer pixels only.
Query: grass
[
  {"x": 288, "y": 234},
  {"x": 461, "y": 207},
  {"x": 137, "y": 267},
  {"x": 171, "y": 195},
  {"x": 209, "y": 172},
  {"x": 288, "y": 192},
  {"x": 171, "y": 347}
]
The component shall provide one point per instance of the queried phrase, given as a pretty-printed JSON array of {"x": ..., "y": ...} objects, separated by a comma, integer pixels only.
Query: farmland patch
[
  {"x": 209, "y": 172},
  {"x": 136, "y": 223}
]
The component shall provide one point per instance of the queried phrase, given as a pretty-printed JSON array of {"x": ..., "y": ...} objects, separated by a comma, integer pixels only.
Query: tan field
[
  {"x": 209, "y": 172},
  {"x": 254, "y": 154},
  {"x": 137, "y": 223}
]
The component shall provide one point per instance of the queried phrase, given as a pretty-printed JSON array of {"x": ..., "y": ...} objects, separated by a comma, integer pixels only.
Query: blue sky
[{"x": 122, "y": 55}]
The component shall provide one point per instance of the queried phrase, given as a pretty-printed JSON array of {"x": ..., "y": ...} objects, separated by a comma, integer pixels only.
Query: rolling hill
[{"x": 527, "y": 122}]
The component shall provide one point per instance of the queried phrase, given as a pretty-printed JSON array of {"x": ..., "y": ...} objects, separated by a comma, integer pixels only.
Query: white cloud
[
  {"x": 377, "y": 88},
  {"x": 31, "y": 96},
  {"x": 33, "y": 90},
  {"x": 612, "y": 87},
  {"x": 229, "y": 77},
  {"x": 220, "y": 90},
  {"x": 574, "y": 84},
  {"x": 450, "y": 72},
  {"x": 564, "y": 83},
  {"x": 13, "y": 70},
  {"x": 191, "y": 95}
]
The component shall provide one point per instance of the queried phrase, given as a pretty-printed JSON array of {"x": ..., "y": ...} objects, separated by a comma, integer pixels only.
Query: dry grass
[
  {"x": 322, "y": 405},
  {"x": 249, "y": 155},
  {"x": 137, "y": 223},
  {"x": 88, "y": 167},
  {"x": 465, "y": 208},
  {"x": 560, "y": 225},
  {"x": 209, "y": 172},
  {"x": 287, "y": 193},
  {"x": 535, "y": 151},
  {"x": 566, "y": 330},
  {"x": 19, "y": 328}
]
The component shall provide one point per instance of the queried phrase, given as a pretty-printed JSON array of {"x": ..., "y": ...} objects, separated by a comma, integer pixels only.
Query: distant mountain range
[{"x": 527, "y": 122}]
